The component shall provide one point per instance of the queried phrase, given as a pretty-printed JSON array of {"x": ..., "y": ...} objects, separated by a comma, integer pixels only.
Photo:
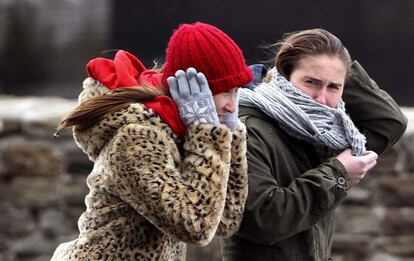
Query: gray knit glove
[
  {"x": 231, "y": 118},
  {"x": 193, "y": 97}
]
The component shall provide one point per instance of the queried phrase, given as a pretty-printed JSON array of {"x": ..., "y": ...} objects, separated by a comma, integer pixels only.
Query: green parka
[{"x": 289, "y": 213}]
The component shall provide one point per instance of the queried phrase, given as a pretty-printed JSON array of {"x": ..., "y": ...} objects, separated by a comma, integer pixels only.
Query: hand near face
[
  {"x": 191, "y": 93},
  {"x": 357, "y": 166}
]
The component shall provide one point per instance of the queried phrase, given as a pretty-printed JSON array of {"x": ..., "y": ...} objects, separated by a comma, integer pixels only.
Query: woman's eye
[
  {"x": 311, "y": 82},
  {"x": 230, "y": 94}
]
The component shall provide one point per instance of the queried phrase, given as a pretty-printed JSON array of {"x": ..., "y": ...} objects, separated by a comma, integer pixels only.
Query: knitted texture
[
  {"x": 193, "y": 97},
  {"x": 231, "y": 118},
  {"x": 302, "y": 117},
  {"x": 210, "y": 51}
]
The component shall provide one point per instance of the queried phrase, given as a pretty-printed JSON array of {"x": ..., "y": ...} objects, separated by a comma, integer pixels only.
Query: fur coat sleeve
[
  {"x": 237, "y": 185},
  {"x": 185, "y": 199}
]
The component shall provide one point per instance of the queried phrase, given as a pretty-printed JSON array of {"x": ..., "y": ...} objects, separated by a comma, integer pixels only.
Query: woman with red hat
[{"x": 168, "y": 150}]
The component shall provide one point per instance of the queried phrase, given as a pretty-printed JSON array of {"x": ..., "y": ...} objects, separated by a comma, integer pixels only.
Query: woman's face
[
  {"x": 322, "y": 77},
  {"x": 225, "y": 102}
]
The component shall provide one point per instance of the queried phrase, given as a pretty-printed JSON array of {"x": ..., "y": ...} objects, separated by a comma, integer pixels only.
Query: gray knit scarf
[{"x": 302, "y": 117}]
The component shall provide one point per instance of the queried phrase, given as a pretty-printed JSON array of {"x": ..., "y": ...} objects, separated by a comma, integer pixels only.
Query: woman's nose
[
  {"x": 231, "y": 105},
  {"x": 320, "y": 96}
]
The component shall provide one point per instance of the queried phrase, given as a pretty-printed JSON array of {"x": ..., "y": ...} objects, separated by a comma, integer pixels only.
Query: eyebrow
[
  {"x": 319, "y": 81},
  {"x": 335, "y": 84}
]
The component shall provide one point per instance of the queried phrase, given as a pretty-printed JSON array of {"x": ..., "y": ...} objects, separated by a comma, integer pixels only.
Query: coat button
[{"x": 341, "y": 181}]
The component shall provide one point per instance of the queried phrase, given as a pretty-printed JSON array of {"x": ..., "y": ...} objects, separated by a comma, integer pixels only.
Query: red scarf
[{"x": 126, "y": 70}]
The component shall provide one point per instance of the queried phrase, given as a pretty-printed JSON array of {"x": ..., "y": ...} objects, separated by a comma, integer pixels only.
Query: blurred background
[{"x": 45, "y": 45}]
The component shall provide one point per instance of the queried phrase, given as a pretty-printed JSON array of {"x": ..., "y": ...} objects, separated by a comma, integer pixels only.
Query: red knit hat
[{"x": 210, "y": 51}]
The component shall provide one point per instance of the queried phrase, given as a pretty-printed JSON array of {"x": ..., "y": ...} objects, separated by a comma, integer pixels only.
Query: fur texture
[{"x": 147, "y": 199}]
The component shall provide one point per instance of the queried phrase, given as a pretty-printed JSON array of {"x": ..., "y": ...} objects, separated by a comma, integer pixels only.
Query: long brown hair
[{"x": 89, "y": 112}]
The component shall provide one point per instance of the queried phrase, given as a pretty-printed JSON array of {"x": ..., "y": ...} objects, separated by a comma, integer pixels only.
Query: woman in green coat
[{"x": 304, "y": 151}]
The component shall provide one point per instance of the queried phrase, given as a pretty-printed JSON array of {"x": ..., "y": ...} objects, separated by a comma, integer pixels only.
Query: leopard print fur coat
[{"x": 147, "y": 197}]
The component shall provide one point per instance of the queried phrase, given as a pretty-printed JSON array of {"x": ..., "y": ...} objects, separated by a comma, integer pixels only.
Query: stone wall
[{"x": 42, "y": 189}]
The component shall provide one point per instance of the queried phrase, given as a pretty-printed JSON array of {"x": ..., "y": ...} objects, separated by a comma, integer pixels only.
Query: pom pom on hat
[{"x": 210, "y": 51}]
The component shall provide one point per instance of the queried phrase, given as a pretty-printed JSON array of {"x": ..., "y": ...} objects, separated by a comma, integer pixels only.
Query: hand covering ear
[{"x": 191, "y": 93}]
